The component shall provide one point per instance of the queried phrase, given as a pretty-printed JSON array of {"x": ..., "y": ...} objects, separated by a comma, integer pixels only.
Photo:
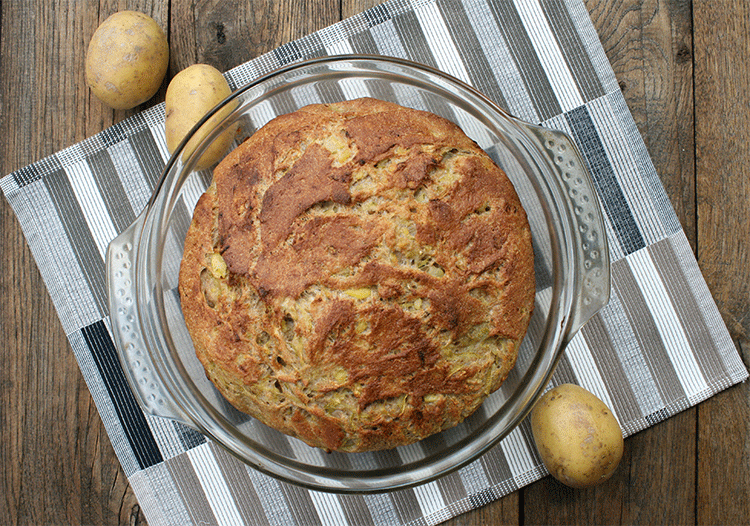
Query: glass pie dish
[{"x": 571, "y": 264}]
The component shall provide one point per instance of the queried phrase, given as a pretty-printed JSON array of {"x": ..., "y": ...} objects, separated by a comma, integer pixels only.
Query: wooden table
[{"x": 684, "y": 71}]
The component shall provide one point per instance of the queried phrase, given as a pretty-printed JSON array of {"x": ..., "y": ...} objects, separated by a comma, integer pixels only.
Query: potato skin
[
  {"x": 127, "y": 60},
  {"x": 578, "y": 437},
  {"x": 191, "y": 94}
]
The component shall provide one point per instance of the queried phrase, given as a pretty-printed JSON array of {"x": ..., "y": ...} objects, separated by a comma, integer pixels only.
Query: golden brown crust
[{"x": 359, "y": 275}]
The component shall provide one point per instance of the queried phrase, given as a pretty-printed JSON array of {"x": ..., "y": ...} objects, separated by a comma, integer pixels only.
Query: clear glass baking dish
[{"x": 571, "y": 262}]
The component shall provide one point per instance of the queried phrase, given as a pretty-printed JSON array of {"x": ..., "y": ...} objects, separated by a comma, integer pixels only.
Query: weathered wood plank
[
  {"x": 722, "y": 128},
  {"x": 353, "y": 7},
  {"x": 722, "y": 109},
  {"x": 723, "y": 493},
  {"x": 226, "y": 34}
]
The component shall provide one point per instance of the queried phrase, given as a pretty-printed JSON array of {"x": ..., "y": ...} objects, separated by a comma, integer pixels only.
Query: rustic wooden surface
[{"x": 683, "y": 68}]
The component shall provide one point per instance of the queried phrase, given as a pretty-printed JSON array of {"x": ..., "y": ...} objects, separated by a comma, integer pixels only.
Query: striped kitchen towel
[{"x": 659, "y": 347}]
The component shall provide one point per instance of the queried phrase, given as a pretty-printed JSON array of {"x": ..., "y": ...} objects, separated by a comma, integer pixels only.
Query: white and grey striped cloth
[{"x": 659, "y": 347}]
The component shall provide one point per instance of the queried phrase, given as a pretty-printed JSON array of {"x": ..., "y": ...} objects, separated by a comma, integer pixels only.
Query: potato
[
  {"x": 127, "y": 59},
  {"x": 190, "y": 95},
  {"x": 578, "y": 437}
]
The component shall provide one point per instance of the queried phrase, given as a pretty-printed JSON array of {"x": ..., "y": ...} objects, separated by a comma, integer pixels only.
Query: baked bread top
[{"x": 358, "y": 275}]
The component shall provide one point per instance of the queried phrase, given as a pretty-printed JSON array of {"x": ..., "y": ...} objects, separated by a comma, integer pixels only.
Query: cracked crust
[{"x": 358, "y": 275}]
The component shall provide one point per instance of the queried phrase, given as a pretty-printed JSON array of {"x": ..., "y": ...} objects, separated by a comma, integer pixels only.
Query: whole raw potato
[
  {"x": 578, "y": 437},
  {"x": 191, "y": 94},
  {"x": 127, "y": 59}
]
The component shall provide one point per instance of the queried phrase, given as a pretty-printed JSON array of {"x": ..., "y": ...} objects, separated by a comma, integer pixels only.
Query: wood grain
[
  {"x": 722, "y": 110},
  {"x": 723, "y": 452},
  {"x": 722, "y": 36},
  {"x": 682, "y": 67},
  {"x": 227, "y": 34}
]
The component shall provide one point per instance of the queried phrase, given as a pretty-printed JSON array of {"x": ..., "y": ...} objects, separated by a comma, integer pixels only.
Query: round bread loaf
[{"x": 358, "y": 275}]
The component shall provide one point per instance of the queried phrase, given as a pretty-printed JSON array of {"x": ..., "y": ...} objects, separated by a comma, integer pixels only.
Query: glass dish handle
[
  {"x": 591, "y": 247},
  {"x": 135, "y": 359}
]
